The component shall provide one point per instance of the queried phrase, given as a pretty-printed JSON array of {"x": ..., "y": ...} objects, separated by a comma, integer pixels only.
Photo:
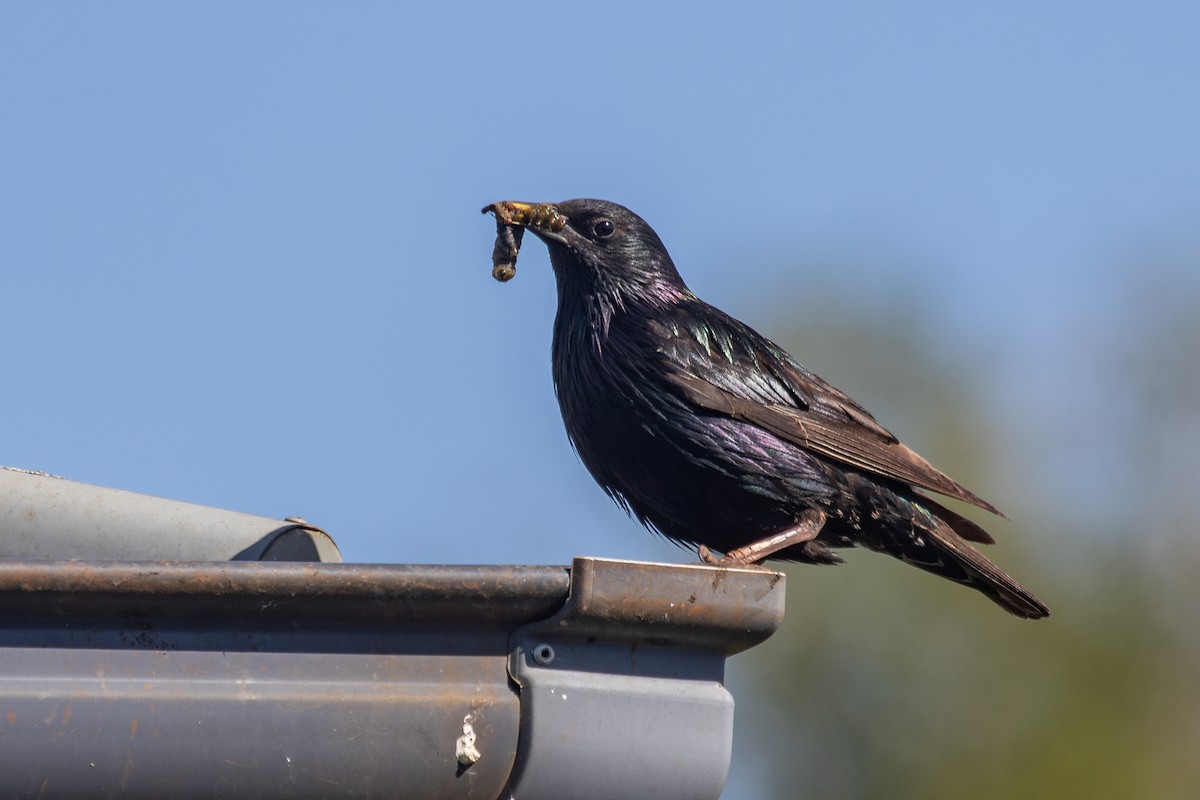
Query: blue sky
[{"x": 244, "y": 265}]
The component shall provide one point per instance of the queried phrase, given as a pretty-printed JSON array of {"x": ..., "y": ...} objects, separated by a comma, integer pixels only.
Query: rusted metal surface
[
  {"x": 724, "y": 609},
  {"x": 182, "y": 679},
  {"x": 234, "y": 723},
  {"x": 622, "y": 691},
  {"x": 292, "y": 592},
  {"x": 176, "y": 679}
]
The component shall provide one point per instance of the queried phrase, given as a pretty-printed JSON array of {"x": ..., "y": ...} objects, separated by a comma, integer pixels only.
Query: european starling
[{"x": 713, "y": 436}]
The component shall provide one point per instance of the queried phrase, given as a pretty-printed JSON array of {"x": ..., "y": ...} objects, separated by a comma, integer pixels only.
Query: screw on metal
[{"x": 543, "y": 654}]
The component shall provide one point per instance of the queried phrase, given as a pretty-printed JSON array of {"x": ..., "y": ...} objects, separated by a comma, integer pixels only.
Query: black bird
[{"x": 712, "y": 435}]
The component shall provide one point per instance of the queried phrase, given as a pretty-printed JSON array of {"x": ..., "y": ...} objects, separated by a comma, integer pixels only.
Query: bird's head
[{"x": 599, "y": 251}]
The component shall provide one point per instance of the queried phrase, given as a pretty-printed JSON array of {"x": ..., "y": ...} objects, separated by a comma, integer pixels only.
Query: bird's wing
[{"x": 730, "y": 369}]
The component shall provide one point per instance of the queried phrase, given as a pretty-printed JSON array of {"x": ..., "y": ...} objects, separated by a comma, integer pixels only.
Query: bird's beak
[{"x": 541, "y": 218}]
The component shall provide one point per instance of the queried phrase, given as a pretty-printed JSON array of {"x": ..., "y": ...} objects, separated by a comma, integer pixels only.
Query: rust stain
[
  {"x": 718, "y": 577},
  {"x": 11, "y": 717},
  {"x": 133, "y": 727},
  {"x": 67, "y": 712},
  {"x": 762, "y": 591}
]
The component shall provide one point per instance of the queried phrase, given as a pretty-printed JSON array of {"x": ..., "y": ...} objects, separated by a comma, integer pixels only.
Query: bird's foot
[{"x": 805, "y": 530}]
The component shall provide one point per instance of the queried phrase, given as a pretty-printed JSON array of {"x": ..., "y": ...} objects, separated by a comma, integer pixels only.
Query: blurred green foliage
[{"x": 887, "y": 683}]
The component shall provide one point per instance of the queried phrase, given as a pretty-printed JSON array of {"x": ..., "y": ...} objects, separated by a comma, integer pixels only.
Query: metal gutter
[
  {"x": 259, "y": 680},
  {"x": 622, "y": 691},
  {"x": 203, "y": 678}
]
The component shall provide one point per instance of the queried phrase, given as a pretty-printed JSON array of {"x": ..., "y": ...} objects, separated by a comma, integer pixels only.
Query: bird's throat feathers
[{"x": 591, "y": 296}]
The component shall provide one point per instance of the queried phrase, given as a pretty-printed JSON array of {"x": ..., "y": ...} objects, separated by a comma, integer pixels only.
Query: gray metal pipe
[{"x": 44, "y": 516}]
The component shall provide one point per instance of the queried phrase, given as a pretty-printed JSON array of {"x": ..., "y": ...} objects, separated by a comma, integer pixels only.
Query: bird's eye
[{"x": 604, "y": 229}]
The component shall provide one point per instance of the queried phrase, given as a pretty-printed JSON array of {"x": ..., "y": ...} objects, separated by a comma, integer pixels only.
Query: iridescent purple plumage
[{"x": 714, "y": 436}]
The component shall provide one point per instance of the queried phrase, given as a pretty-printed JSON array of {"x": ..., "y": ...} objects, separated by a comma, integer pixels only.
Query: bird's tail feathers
[
  {"x": 947, "y": 553},
  {"x": 960, "y": 524}
]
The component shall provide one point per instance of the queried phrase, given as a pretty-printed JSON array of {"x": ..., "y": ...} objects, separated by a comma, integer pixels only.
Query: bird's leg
[{"x": 805, "y": 530}]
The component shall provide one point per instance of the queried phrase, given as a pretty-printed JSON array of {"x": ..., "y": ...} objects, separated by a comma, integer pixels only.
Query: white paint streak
[{"x": 464, "y": 748}]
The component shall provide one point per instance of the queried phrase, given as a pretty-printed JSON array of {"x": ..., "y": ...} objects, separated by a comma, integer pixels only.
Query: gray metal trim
[
  {"x": 168, "y": 679},
  {"x": 44, "y": 516},
  {"x": 622, "y": 691},
  {"x": 203, "y": 679}
]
